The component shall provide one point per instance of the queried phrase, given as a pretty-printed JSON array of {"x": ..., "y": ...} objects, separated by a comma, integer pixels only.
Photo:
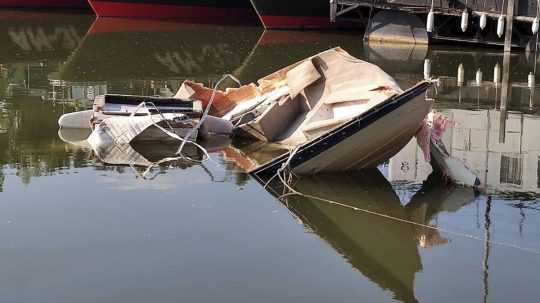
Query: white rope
[
  {"x": 205, "y": 114},
  {"x": 174, "y": 135}
]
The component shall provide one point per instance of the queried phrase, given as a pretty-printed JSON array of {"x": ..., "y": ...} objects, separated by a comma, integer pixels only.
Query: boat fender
[
  {"x": 464, "y": 20},
  {"x": 479, "y": 77},
  {"x": 460, "y": 75},
  {"x": 500, "y": 26},
  {"x": 531, "y": 82},
  {"x": 535, "y": 24},
  {"x": 430, "y": 21},
  {"x": 427, "y": 69},
  {"x": 483, "y": 21},
  {"x": 496, "y": 74}
]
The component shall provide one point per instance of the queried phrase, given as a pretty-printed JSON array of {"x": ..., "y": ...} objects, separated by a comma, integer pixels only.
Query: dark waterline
[{"x": 76, "y": 229}]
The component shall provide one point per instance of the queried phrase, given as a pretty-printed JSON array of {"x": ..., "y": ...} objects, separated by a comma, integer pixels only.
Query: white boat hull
[
  {"x": 365, "y": 141},
  {"x": 79, "y": 119},
  {"x": 373, "y": 144}
]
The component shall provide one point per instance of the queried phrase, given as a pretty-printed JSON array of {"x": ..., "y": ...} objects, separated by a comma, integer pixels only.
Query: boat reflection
[
  {"x": 361, "y": 215},
  {"x": 385, "y": 251},
  {"x": 276, "y": 49},
  {"x": 33, "y": 45},
  {"x": 28, "y": 36},
  {"x": 158, "y": 50},
  {"x": 146, "y": 159},
  {"x": 511, "y": 166},
  {"x": 403, "y": 62},
  {"x": 153, "y": 57}
]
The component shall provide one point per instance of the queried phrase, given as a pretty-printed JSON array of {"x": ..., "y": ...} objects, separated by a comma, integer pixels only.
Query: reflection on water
[
  {"x": 33, "y": 45},
  {"x": 58, "y": 64},
  {"x": 386, "y": 253},
  {"x": 165, "y": 50}
]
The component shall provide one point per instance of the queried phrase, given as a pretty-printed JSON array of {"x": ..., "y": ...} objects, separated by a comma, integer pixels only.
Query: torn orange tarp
[{"x": 224, "y": 101}]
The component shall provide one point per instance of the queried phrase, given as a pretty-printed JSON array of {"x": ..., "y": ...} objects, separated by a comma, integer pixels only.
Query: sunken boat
[
  {"x": 330, "y": 112},
  {"x": 123, "y": 119}
]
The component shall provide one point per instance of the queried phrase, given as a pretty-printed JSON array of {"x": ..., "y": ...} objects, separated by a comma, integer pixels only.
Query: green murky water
[{"x": 75, "y": 229}]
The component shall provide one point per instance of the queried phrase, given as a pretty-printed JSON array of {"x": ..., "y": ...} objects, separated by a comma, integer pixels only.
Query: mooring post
[
  {"x": 333, "y": 10},
  {"x": 509, "y": 26},
  {"x": 506, "y": 88},
  {"x": 505, "y": 91}
]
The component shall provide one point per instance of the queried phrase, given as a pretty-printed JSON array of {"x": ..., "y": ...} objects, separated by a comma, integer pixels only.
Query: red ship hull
[
  {"x": 44, "y": 3},
  {"x": 287, "y": 14},
  {"x": 295, "y": 22},
  {"x": 206, "y": 14}
]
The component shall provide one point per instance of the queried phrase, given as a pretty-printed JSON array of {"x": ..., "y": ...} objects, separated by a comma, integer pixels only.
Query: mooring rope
[
  {"x": 172, "y": 134},
  {"x": 286, "y": 179},
  {"x": 205, "y": 114},
  {"x": 189, "y": 134}
]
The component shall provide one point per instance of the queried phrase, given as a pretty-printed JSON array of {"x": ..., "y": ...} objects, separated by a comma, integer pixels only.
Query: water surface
[{"x": 76, "y": 229}]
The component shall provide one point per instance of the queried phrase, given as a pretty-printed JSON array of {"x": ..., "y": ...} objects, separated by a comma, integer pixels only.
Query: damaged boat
[
  {"x": 126, "y": 118},
  {"x": 332, "y": 112}
]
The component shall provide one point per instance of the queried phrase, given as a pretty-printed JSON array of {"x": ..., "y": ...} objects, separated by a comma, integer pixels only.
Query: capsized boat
[{"x": 332, "y": 111}]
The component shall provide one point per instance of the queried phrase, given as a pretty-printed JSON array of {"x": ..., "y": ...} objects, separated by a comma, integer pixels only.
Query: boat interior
[{"x": 303, "y": 101}]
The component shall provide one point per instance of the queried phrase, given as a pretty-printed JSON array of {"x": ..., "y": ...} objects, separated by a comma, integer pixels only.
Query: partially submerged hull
[
  {"x": 333, "y": 112},
  {"x": 123, "y": 119},
  {"x": 363, "y": 142},
  {"x": 206, "y": 11}
]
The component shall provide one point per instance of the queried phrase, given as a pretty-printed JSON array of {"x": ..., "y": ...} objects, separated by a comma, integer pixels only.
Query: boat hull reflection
[
  {"x": 165, "y": 50},
  {"x": 28, "y": 36},
  {"x": 366, "y": 222}
]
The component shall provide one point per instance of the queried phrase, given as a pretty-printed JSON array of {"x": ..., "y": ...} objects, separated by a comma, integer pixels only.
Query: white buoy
[
  {"x": 460, "y": 75},
  {"x": 531, "y": 81},
  {"x": 430, "y": 21},
  {"x": 479, "y": 77},
  {"x": 427, "y": 69},
  {"x": 464, "y": 20},
  {"x": 483, "y": 21},
  {"x": 535, "y": 26},
  {"x": 500, "y": 26},
  {"x": 496, "y": 74}
]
